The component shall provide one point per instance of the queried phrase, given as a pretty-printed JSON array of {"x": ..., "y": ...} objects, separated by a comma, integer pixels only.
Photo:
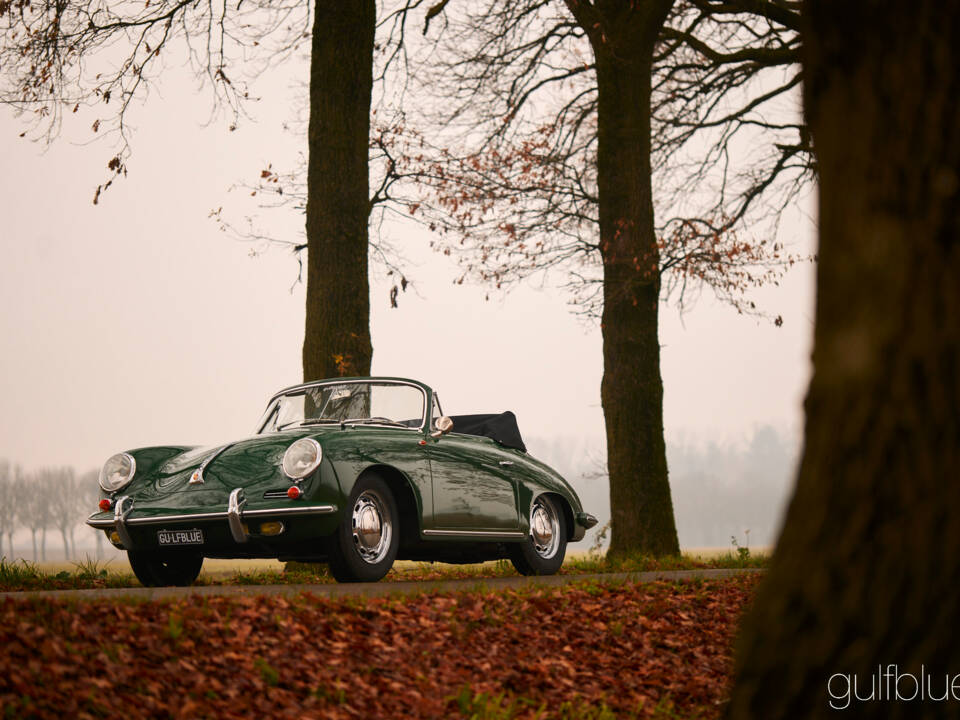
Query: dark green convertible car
[{"x": 355, "y": 472}]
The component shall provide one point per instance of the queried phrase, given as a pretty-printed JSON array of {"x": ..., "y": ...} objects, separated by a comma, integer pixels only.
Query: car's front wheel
[
  {"x": 543, "y": 551},
  {"x": 366, "y": 543},
  {"x": 155, "y": 569}
]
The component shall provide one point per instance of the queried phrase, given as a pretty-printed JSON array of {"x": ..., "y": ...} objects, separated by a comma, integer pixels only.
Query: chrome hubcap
[
  {"x": 372, "y": 529},
  {"x": 544, "y": 528}
]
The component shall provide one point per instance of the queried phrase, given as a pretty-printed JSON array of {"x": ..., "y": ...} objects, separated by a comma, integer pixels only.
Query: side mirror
[{"x": 443, "y": 425}]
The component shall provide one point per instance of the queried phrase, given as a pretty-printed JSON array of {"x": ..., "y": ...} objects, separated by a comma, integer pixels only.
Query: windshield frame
[{"x": 271, "y": 408}]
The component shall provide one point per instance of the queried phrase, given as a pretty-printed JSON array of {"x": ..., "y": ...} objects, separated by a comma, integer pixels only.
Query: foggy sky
[{"x": 137, "y": 322}]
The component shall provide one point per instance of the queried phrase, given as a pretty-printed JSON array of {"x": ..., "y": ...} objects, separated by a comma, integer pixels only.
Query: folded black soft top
[{"x": 502, "y": 428}]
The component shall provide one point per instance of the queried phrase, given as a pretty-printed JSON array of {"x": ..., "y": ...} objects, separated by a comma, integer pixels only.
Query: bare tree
[
  {"x": 87, "y": 497},
  {"x": 63, "y": 498},
  {"x": 857, "y": 612},
  {"x": 20, "y": 506},
  {"x": 280, "y": 190},
  {"x": 560, "y": 121},
  {"x": 44, "y": 484},
  {"x": 33, "y": 508},
  {"x": 515, "y": 170},
  {"x": 97, "y": 59},
  {"x": 8, "y": 502}
]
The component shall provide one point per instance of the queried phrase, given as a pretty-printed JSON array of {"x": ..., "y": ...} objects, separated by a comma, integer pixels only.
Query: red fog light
[
  {"x": 294, "y": 492},
  {"x": 105, "y": 505}
]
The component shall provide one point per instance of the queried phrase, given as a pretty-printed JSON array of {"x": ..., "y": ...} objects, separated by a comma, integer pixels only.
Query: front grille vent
[{"x": 274, "y": 494}]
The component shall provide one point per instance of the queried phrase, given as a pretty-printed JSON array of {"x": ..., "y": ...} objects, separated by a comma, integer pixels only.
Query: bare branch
[
  {"x": 509, "y": 171},
  {"x": 432, "y": 13}
]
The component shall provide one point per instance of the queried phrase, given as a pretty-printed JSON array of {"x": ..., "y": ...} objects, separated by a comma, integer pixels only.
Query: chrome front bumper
[{"x": 234, "y": 515}]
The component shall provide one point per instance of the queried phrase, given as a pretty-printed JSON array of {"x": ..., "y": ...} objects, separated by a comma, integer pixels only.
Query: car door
[{"x": 472, "y": 490}]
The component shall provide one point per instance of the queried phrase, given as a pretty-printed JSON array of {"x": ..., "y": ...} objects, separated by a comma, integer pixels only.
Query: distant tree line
[
  {"x": 720, "y": 489},
  {"x": 53, "y": 499},
  {"x": 732, "y": 490}
]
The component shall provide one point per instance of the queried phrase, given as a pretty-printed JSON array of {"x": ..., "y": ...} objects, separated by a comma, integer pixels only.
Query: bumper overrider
[
  {"x": 234, "y": 515},
  {"x": 586, "y": 520},
  {"x": 583, "y": 521}
]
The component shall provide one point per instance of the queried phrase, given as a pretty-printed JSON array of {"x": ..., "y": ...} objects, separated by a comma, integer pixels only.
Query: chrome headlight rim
[
  {"x": 300, "y": 474},
  {"x": 132, "y": 461}
]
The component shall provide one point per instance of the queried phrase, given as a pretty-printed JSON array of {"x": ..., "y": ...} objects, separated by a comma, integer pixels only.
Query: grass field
[{"x": 22, "y": 575}]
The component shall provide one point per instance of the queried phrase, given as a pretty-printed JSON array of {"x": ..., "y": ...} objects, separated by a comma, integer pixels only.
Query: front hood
[
  {"x": 190, "y": 459},
  {"x": 253, "y": 463}
]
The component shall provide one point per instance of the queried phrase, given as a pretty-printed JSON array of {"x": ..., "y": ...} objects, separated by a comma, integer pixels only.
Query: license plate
[{"x": 180, "y": 537}]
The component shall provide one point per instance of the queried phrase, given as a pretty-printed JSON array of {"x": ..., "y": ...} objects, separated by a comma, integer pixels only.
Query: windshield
[{"x": 374, "y": 403}]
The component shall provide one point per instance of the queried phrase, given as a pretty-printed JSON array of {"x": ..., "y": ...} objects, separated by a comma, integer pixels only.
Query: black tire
[
  {"x": 358, "y": 556},
  {"x": 154, "y": 569},
  {"x": 538, "y": 554}
]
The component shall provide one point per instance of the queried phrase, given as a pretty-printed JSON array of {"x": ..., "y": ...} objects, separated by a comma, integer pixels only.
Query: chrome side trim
[
  {"x": 235, "y": 515},
  {"x": 476, "y": 533},
  {"x": 305, "y": 510},
  {"x": 120, "y": 521}
]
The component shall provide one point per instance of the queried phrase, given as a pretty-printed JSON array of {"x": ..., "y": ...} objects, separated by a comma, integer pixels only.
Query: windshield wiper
[
  {"x": 371, "y": 421},
  {"x": 319, "y": 421}
]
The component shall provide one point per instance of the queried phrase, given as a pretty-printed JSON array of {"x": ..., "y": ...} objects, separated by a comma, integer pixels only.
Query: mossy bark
[
  {"x": 623, "y": 35},
  {"x": 337, "y": 334},
  {"x": 866, "y": 573}
]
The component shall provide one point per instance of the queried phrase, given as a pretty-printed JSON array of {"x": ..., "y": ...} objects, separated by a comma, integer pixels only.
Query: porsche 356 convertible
[{"x": 354, "y": 472}]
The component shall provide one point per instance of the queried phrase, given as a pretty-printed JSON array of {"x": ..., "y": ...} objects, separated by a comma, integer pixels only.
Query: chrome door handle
[{"x": 505, "y": 463}]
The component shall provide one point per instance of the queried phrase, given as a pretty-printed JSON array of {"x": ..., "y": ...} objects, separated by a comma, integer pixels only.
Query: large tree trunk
[
  {"x": 623, "y": 35},
  {"x": 866, "y": 573},
  {"x": 337, "y": 336}
]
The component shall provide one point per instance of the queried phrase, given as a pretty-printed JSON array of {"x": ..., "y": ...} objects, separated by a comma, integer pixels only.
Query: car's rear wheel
[
  {"x": 543, "y": 551},
  {"x": 365, "y": 544},
  {"x": 154, "y": 569}
]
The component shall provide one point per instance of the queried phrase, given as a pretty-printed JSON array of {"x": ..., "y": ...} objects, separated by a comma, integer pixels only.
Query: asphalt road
[{"x": 373, "y": 589}]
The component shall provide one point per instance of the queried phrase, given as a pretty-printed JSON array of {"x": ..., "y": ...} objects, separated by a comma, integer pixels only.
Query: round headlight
[
  {"x": 117, "y": 472},
  {"x": 302, "y": 458}
]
